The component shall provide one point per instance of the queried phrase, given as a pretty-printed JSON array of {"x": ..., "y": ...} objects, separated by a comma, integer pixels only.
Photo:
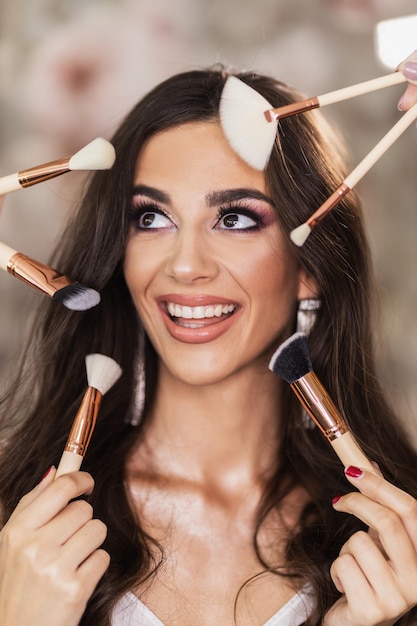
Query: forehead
[{"x": 194, "y": 154}]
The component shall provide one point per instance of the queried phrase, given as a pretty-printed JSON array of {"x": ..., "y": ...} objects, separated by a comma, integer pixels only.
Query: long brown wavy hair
[{"x": 37, "y": 411}]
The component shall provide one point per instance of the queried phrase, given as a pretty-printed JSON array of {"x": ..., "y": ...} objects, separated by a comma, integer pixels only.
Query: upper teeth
[{"x": 199, "y": 312}]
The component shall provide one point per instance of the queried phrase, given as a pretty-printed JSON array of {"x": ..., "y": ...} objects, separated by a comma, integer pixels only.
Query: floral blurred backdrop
[{"x": 69, "y": 71}]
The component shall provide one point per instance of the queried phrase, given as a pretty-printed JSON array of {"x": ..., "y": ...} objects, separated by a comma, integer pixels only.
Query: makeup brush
[
  {"x": 300, "y": 234},
  {"x": 99, "y": 154},
  {"x": 250, "y": 123},
  {"x": 71, "y": 294},
  {"x": 102, "y": 373},
  {"x": 292, "y": 362}
]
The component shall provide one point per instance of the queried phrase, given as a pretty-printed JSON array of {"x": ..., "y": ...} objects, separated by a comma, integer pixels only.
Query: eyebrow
[
  {"x": 232, "y": 195},
  {"x": 214, "y": 198}
]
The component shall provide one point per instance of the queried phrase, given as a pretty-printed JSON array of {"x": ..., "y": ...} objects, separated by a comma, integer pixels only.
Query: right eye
[
  {"x": 152, "y": 219},
  {"x": 149, "y": 217}
]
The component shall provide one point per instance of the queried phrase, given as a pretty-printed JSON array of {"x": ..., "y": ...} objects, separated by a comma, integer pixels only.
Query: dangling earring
[
  {"x": 139, "y": 402},
  {"x": 306, "y": 316}
]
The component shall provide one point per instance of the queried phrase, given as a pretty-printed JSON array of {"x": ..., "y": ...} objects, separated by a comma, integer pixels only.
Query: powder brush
[
  {"x": 102, "y": 373},
  {"x": 292, "y": 362},
  {"x": 99, "y": 154}
]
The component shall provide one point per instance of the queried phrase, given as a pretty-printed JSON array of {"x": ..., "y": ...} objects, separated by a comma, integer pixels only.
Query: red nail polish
[
  {"x": 46, "y": 473},
  {"x": 336, "y": 499},
  {"x": 353, "y": 472}
]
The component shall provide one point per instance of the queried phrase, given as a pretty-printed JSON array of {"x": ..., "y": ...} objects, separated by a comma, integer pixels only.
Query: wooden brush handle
[
  {"x": 70, "y": 462},
  {"x": 381, "y": 147},
  {"x": 9, "y": 183},
  {"x": 6, "y": 254},
  {"x": 360, "y": 88},
  {"x": 350, "y": 453}
]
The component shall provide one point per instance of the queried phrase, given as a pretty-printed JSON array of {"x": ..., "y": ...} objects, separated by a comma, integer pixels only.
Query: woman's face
[{"x": 211, "y": 275}]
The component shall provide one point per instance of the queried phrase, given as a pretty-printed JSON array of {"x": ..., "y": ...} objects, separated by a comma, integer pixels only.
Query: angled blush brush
[
  {"x": 99, "y": 154},
  {"x": 292, "y": 362},
  {"x": 102, "y": 373},
  {"x": 45, "y": 279}
]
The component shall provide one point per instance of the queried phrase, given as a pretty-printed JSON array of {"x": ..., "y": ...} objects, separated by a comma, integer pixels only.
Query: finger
[
  {"x": 392, "y": 535},
  {"x": 382, "y": 576},
  {"x": 389, "y": 496},
  {"x": 408, "y": 98},
  {"x": 350, "y": 580},
  {"x": 66, "y": 523},
  {"x": 84, "y": 543},
  {"x": 372, "y": 562},
  {"x": 29, "y": 497},
  {"x": 93, "y": 569},
  {"x": 409, "y": 67},
  {"x": 54, "y": 498}
]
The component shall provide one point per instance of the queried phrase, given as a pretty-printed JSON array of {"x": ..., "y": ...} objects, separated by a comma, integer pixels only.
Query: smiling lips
[{"x": 198, "y": 319}]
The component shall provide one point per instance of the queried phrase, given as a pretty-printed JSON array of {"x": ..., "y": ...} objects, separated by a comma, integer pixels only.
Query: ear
[{"x": 307, "y": 286}]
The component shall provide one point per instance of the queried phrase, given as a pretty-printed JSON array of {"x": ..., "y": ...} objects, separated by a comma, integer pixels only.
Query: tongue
[{"x": 199, "y": 323}]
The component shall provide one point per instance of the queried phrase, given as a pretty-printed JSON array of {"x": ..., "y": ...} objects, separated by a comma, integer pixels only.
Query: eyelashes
[
  {"x": 148, "y": 215},
  {"x": 240, "y": 217}
]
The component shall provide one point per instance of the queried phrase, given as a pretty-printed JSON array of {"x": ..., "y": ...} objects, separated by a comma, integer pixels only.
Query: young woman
[{"x": 220, "y": 504}]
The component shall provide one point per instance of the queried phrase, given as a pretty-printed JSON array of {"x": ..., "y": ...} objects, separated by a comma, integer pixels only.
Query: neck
[{"x": 225, "y": 432}]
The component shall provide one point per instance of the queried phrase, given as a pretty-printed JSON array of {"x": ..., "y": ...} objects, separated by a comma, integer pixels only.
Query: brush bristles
[
  {"x": 99, "y": 154},
  {"x": 300, "y": 234},
  {"x": 292, "y": 359},
  {"x": 102, "y": 372},
  {"x": 77, "y": 297},
  {"x": 244, "y": 124}
]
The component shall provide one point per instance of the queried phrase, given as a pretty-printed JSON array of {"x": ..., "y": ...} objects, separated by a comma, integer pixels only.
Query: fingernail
[
  {"x": 353, "y": 472},
  {"x": 46, "y": 473},
  {"x": 409, "y": 70},
  {"x": 401, "y": 103},
  {"x": 336, "y": 499}
]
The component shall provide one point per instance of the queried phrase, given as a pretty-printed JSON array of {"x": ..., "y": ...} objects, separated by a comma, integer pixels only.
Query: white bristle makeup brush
[
  {"x": 102, "y": 373},
  {"x": 250, "y": 123},
  {"x": 243, "y": 122},
  {"x": 45, "y": 279},
  {"x": 300, "y": 234},
  {"x": 292, "y": 362},
  {"x": 99, "y": 154}
]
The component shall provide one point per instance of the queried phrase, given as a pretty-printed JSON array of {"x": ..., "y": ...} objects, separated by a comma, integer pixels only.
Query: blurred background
[{"x": 70, "y": 70}]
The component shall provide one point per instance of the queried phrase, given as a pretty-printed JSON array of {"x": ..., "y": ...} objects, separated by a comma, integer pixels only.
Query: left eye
[{"x": 236, "y": 221}]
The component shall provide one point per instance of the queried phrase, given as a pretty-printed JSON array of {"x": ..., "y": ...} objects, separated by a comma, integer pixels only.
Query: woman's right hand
[
  {"x": 50, "y": 556},
  {"x": 409, "y": 68}
]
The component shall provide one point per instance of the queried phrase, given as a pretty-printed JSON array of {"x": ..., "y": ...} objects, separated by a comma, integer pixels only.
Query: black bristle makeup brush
[
  {"x": 292, "y": 362},
  {"x": 71, "y": 294}
]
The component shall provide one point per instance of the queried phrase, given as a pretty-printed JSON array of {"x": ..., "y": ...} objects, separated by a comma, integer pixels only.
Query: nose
[{"x": 191, "y": 259}]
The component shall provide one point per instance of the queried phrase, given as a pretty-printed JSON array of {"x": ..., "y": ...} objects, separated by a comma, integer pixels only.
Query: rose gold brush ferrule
[
  {"x": 273, "y": 115},
  {"x": 39, "y": 173},
  {"x": 42, "y": 277},
  {"x": 84, "y": 422},
  {"x": 328, "y": 205},
  {"x": 317, "y": 402}
]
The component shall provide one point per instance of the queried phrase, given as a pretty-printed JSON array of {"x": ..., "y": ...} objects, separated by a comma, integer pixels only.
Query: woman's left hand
[{"x": 377, "y": 571}]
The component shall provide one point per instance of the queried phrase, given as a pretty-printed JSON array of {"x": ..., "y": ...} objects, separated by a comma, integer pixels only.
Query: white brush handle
[
  {"x": 6, "y": 254},
  {"x": 361, "y": 88},
  {"x": 381, "y": 147},
  {"x": 70, "y": 462},
  {"x": 9, "y": 183}
]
